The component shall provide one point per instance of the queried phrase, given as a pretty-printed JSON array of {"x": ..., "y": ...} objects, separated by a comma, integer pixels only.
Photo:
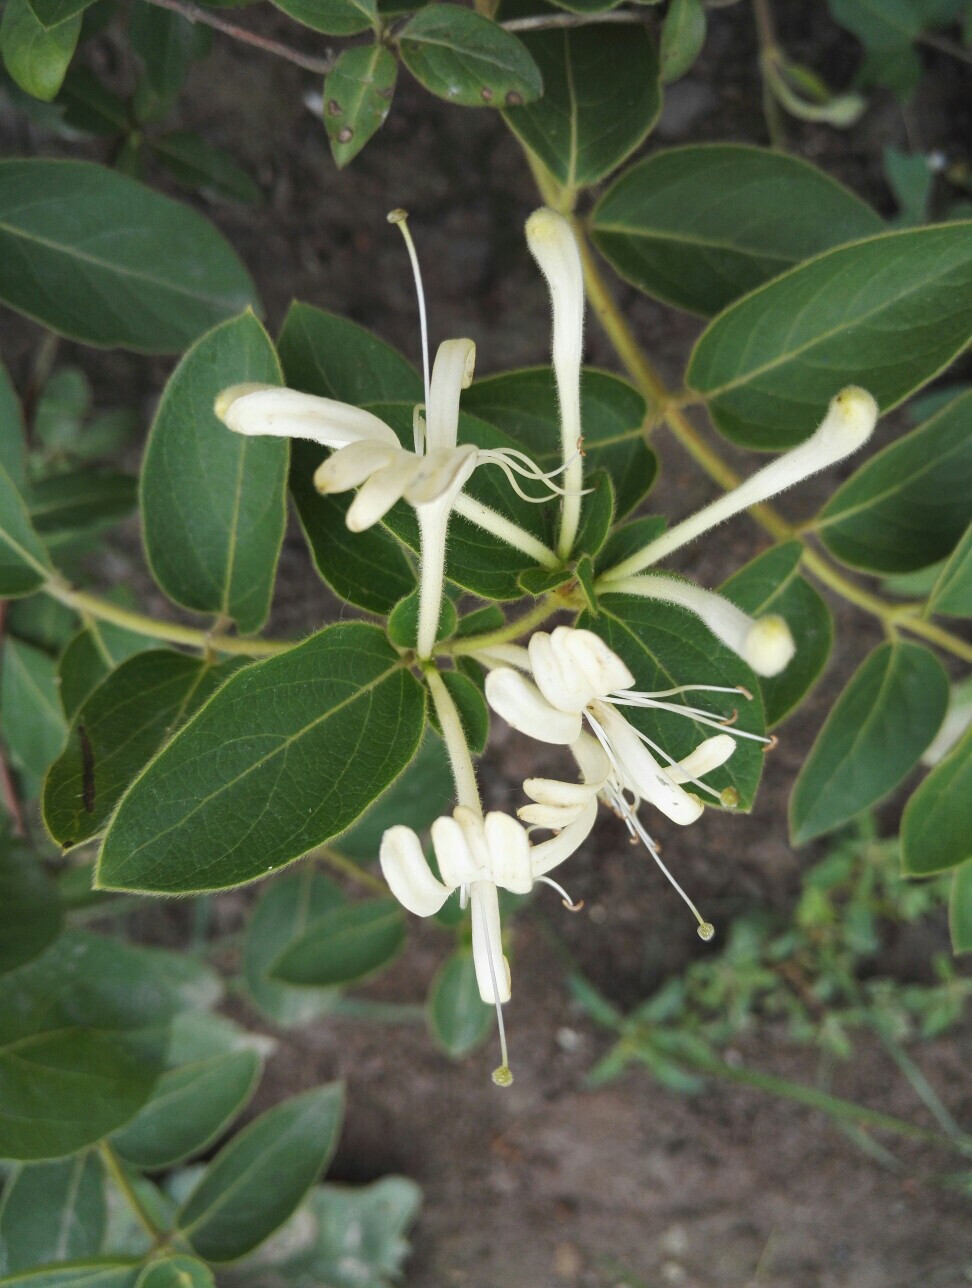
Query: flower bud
[{"x": 769, "y": 645}]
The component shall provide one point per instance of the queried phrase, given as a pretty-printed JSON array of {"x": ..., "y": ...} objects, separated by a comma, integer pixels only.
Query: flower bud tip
[
  {"x": 769, "y": 645},
  {"x": 502, "y": 1076},
  {"x": 851, "y": 418}
]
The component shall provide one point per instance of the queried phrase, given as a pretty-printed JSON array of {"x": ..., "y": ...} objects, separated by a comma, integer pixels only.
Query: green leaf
[
  {"x": 287, "y": 754},
  {"x": 101, "y": 259},
  {"x": 333, "y": 17},
  {"x": 117, "y": 731},
  {"x": 700, "y": 226},
  {"x": 481, "y": 621},
  {"x": 66, "y": 508},
  {"x": 13, "y": 437},
  {"x": 24, "y": 563},
  {"x": 30, "y": 712},
  {"x": 524, "y": 405},
  {"x": 176, "y": 1272},
  {"x": 32, "y": 915},
  {"x": 214, "y": 502},
  {"x": 936, "y": 828},
  {"x": 346, "y": 944},
  {"x": 327, "y": 355},
  {"x": 909, "y": 505},
  {"x": 256, "y": 1181},
  {"x": 402, "y": 622},
  {"x": 82, "y": 1028},
  {"x": 52, "y": 1212},
  {"x": 682, "y": 38},
  {"x": 42, "y": 620},
  {"x": 51, "y": 13},
  {"x": 90, "y": 657},
  {"x": 666, "y": 646},
  {"x": 459, "y": 1019},
  {"x": 886, "y": 30},
  {"x": 466, "y": 59},
  {"x": 203, "y": 167},
  {"x": 952, "y": 592},
  {"x": 166, "y": 43},
  {"x": 628, "y": 539},
  {"x": 36, "y": 57},
  {"x": 597, "y": 513},
  {"x": 348, "y": 1237},
  {"x": 357, "y": 95},
  {"x": 190, "y": 1107},
  {"x": 282, "y": 915},
  {"x": 87, "y": 106},
  {"x": 874, "y": 735},
  {"x": 103, "y": 1272},
  {"x": 771, "y": 583},
  {"x": 960, "y": 909},
  {"x": 600, "y": 99},
  {"x": 537, "y": 581},
  {"x": 416, "y": 800},
  {"x": 887, "y": 313}
]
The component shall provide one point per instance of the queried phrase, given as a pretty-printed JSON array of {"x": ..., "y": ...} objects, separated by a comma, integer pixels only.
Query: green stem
[
  {"x": 523, "y": 625},
  {"x": 113, "y": 1166},
  {"x": 463, "y": 770},
  {"x": 103, "y": 610},
  {"x": 340, "y": 863},
  {"x": 903, "y": 616}
]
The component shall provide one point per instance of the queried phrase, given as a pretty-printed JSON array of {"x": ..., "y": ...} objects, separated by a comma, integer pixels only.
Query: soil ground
[{"x": 549, "y": 1183}]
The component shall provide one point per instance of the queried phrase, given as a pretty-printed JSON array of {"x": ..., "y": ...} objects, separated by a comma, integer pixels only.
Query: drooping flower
[
  {"x": 578, "y": 684},
  {"x": 477, "y": 855}
]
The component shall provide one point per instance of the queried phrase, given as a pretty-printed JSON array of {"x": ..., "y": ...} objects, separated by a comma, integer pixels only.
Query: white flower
[
  {"x": 579, "y": 681},
  {"x": 475, "y": 856},
  {"x": 765, "y": 644}
]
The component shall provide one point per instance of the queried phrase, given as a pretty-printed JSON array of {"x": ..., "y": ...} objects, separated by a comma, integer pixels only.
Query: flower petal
[
  {"x": 408, "y": 874},
  {"x": 548, "y": 854},
  {"x": 492, "y": 968},
  {"x": 641, "y": 772},
  {"x": 603, "y": 669},
  {"x": 455, "y": 858},
  {"x": 525, "y": 709},
  {"x": 560, "y": 681},
  {"x": 509, "y": 852},
  {"x": 552, "y": 818},
  {"x": 441, "y": 473},
  {"x": 707, "y": 756},
  {"x": 351, "y": 465},
  {"x": 452, "y": 371},
  {"x": 286, "y": 413},
  {"x": 380, "y": 492}
]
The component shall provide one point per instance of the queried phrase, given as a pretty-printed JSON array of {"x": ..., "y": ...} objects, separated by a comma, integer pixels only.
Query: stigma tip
[
  {"x": 706, "y": 931},
  {"x": 503, "y": 1076}
]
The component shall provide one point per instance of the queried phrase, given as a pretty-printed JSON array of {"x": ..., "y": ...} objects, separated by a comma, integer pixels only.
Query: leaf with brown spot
[{"x": 358, "y": 93}]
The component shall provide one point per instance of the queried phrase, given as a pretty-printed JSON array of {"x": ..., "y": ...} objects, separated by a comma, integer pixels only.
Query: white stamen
[
  {"x": 564, "y": 896},
  {"x": 400, "y": 217},
  {"x": 501, "y": 1076}
]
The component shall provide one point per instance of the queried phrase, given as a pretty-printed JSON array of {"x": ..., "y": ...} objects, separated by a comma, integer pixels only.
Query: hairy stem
[
  {"x": 113, "y": 1166},
  {"x": 470, "y": 644},
  {"x": 340, "y": 863},
  {"x": 904, "y": 616},
  {"x": 103, "y": 610},
  {"x": 483, "y": 517},
  {"x": 463, "y": 770},
  {"x": 433, "y": 521}
]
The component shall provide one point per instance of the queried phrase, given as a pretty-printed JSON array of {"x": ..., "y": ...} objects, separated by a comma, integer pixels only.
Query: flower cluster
[{"x": 566, "y": 687}]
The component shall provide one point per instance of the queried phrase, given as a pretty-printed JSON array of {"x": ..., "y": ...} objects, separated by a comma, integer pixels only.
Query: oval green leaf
[
  {"x": 771, "y": 583},
  {"x": 936, "y": 828},
  {"x": 333, "y": 17},
  {"x": 52, "y": 1212},
  {"x": 600, "y": 99},
  {"x": 348, "y": 943},
  {"x": 214, "y": 502},
  {"x": 357, "y": 96},
  {"x": 682, "y": 38},
  {"x": 700, "y": 226},
  {"x": 466, "y": 59},
  {"x": 176, "y": 1272},
  {"x": 286, "y": 755},
  {"x": 887, "y": 313},
  {"x": 32, "y": 913},
  {"x": 908, "y": 506},
  {"x": 37, "y": 57},
  {"x": 190, "y": 1107},
  {"x": 30, "y": 712},
  {"x": 952, "y": 591},
  {"x": 103, "y": 1272},
  {"x": 875, "y": 733},
  {"x": 24, "y": 562},
  {"x": 960, "y": 909},
  {"x": 117, "y": 731},
  {"x": 256, "y": 1181},
  {"x": 99, "y": 258}
]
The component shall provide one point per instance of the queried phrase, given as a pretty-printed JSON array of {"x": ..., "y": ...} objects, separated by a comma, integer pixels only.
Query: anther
[
  {"x": 502, "y": 1076},
  {"x": 706, "y": 930},
  {"x": 730, "y": 720},
  {"x": 771, "y": 742},
  {"x": 745, "y": 692},
  {"x": 729, "y": 798}
]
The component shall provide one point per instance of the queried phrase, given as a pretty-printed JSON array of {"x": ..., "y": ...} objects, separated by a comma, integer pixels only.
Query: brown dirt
[{"x": 551, "y": 1184}]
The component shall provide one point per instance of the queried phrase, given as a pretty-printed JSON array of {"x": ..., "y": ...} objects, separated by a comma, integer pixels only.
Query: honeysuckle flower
[
  {"x": 578, "y": 684},
  {"x": 478, "y": 855},
  {"x": 430, "y": 476}
]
